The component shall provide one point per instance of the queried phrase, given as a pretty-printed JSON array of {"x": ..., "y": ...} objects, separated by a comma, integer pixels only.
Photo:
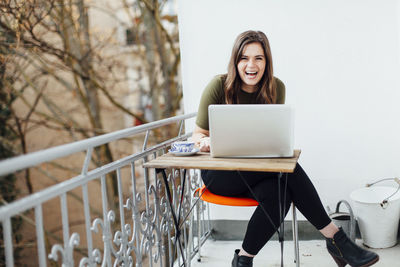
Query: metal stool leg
[
  {"x": 295, "y": 236},
  {"x": 198, "y": 207}
]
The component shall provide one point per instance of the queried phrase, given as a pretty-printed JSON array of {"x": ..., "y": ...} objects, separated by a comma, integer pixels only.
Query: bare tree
[
  {"x": 57, "y": 74},
  {"x": 161, "y": 54},
  {"x": 50, "y": 44}
]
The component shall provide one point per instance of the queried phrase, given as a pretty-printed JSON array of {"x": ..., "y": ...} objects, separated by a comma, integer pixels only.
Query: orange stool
[{"x": 209, "y": 197}]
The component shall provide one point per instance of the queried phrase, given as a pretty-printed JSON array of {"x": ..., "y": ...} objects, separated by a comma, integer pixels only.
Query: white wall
[{"x": 340, "y": 62}]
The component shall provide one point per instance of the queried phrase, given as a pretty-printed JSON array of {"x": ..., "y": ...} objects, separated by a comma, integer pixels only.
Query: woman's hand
[
  {"x": 205, "y": 144},
  {"x": 201, "y": 138}
]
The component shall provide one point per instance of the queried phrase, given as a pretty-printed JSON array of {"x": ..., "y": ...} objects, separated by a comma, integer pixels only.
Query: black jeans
[{"x": 300, "y": 190}]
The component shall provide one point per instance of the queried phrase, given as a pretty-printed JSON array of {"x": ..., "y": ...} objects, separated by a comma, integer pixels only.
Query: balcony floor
[{"x": 312, "y": 253}]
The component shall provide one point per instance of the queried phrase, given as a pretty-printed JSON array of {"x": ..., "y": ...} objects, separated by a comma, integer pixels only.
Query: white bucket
[{"x": 378, "y": 223}]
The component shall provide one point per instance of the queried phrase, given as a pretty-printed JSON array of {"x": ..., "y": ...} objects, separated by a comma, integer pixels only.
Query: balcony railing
[{"x": 137, "y": 231}]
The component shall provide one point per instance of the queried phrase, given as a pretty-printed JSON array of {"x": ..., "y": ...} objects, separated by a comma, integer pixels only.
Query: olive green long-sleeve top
[{"x": 214, "y": 93}]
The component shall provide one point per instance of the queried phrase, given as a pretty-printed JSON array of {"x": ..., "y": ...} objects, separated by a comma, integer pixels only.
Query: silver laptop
[{"x": 251, "y": 131}]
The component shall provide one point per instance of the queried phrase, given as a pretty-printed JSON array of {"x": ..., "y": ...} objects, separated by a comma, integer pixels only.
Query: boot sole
[
  {"x": 371, "y": 262},
  {"x": 341, "y": 262}
]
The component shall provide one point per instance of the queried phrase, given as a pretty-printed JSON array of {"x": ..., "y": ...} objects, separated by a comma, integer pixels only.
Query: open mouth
[{"x": 251, "y": 74}]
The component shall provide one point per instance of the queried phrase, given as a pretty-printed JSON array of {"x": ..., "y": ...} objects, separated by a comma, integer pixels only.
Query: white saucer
[{"x": 183, "y": 154}]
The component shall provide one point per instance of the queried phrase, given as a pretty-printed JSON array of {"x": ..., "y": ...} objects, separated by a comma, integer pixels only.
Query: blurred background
[{"x": 74, "y": 69}]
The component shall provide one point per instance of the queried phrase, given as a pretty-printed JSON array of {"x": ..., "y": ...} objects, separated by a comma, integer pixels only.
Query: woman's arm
[
  {"x": 201, "y": 138},
  {"x": 212, "y": 94}
]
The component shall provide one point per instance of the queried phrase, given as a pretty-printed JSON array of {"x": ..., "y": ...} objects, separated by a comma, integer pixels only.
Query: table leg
[
  {"x": 295, "y": 237},
  {"x": 281, "y": 212},
  {"x": 175, "y": 219}
]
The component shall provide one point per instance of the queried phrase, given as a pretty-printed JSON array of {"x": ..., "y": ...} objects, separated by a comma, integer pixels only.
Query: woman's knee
[{"x": 268, "y": 191}]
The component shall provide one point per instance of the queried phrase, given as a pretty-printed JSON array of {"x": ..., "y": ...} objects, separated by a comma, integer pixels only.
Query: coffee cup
[{"x": 182, "y": 146}]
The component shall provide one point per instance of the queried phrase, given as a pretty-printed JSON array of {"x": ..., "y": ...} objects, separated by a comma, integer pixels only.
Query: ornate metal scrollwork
[
  {"x": 149, "y": 232},
  {"x": 92, "y": 261},
  {"x": 65, "y": 252}
]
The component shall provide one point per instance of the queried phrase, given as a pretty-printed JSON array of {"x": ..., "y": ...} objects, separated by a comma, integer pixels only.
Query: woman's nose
[{"x": 251, "y": 62}]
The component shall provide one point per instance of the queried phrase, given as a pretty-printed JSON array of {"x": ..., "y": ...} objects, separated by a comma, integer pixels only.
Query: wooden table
[{"x": 205, "y": 161}]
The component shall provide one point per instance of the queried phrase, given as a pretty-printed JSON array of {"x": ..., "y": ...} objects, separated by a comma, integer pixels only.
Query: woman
[{"x": 250, "y": 80}]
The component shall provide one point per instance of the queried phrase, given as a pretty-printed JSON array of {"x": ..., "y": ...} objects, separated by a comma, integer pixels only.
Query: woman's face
[{"x": 251, "y": 66}]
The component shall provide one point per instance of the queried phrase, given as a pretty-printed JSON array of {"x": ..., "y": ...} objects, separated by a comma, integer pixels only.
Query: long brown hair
[{"x": 266, "y": 93}]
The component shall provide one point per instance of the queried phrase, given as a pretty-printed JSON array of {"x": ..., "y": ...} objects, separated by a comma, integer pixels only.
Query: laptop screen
[{"x": 262, "y": 130}]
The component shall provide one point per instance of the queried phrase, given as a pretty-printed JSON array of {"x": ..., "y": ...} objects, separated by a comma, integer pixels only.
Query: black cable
[
  {"x": 182, "y": 193},
  {"x": 195, "y": 203},
  {"x": 260, "y": 204}
]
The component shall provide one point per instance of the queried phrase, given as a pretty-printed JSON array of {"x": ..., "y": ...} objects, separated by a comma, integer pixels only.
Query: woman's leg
[
  {"x": 306, "y": 199},
  {"x": 260, "y": 229},
  {"x": 265, "y": 187},
  {"x": 299, "y": 189},
  {"x": 302, "y": 192},
  {"x": 343, "y": 250}
]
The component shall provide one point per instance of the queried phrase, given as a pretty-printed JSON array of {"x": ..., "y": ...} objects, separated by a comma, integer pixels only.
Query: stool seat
[{"x": 207, "y": 196}]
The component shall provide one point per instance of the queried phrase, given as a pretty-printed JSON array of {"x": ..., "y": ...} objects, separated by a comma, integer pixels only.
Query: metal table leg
[
  {"x": 174, "y": 217},
  {"x": 295, "y": 235}
]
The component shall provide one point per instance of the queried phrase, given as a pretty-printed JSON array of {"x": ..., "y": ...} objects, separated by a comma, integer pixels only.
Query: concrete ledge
[{"x": 235, "y": 230}]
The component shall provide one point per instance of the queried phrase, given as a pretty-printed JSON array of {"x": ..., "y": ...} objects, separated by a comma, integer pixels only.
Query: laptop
[{"x": 251, "y": 131}]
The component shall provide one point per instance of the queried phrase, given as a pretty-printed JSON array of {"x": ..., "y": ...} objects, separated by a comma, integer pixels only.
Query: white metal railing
[{"x": 126, "y": 241}]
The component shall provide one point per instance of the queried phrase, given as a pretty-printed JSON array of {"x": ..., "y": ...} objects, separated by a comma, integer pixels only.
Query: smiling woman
[
  {"x": 251, "y": 60},
  {"x": 250, "y": 80},
  {"x": 251, "y": 67}
]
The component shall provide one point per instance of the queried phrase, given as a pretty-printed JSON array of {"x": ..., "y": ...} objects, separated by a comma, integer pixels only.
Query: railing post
[
  {"x": 136, "y": 216},
  {"x": 180, "y": 127},
  {"x": 40, "y": 235},
  {"x": 107, "y": 239},
  {"x": 7, "y": 236},
  {"x": 86, "y": 207},
  {"x": 87, "y": 160}
]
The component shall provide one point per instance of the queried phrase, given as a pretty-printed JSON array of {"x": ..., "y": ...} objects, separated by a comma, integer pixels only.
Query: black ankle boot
[
  {"x": 241, "y": 261},
  {"x": 344, "y": 251}
]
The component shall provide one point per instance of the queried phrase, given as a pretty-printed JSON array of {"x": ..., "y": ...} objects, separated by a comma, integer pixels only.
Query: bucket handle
[
  {"x": 352, "y": 220},
  {"x": 385, "y": 202}
]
